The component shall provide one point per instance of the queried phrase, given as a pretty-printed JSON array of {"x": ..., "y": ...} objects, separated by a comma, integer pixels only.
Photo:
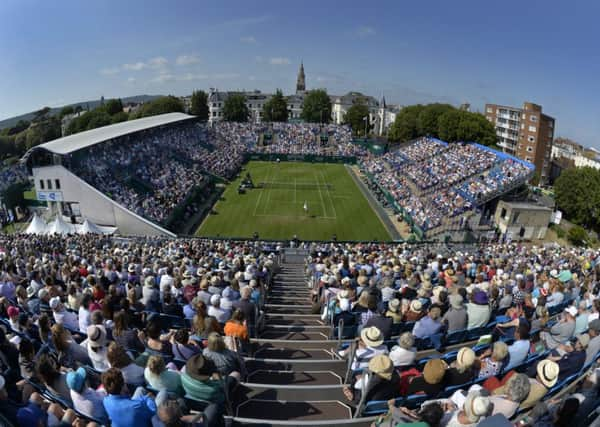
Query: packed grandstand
[
  {"x": 153, "y": 331},
  {"x": 154, "y": 170}
]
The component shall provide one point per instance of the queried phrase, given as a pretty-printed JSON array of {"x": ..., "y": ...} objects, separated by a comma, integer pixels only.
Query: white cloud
[
  {"x": 225, "y": 76},
  {"x": 136, "y": 66},
  {"x": 365, "y": 31},
  {"x": 109, "y": 71},
  {"x": 187, "y": 59},
  {"x": 154, "y": 63},
  {"x": 279, "y": 61},
  {"x": 248, "y": 39},
  {"x": 131, "y": 80},
  {"x": 190, "y": 77},
  {"x": 158, "y": 62},
  {"x": 165, "y": 77},
  {"x": 259, "y": 59}
]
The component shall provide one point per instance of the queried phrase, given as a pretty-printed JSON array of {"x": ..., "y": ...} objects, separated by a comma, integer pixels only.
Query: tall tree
[
  {"x": 578, "y": 196},
  {"x": 448, "y": 124},
  {"x": 357, "y": 117},
  {"x": 162, "y": 105},
  {"x": 113, "y": 106},
  {"x": 275, "y": 109},
  {"x": 427, "y": 120},
  {"x": 199, "y": 104},
  {"x": 316, "y": 107},
  {"x": 405, "y": 126},
  {"x": 66, "y": 111},
  {"x": 235, "y": 108}
]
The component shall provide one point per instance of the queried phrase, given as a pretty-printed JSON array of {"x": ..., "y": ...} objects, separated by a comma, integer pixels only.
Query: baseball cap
[
  {"x": 54, "y": 302},
  {"x": 76, "y": 379},
  {"x": 571, "y": 310}
]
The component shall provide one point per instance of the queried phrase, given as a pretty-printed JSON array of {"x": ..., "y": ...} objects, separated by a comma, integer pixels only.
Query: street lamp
[{"x": 366, "y": 119}]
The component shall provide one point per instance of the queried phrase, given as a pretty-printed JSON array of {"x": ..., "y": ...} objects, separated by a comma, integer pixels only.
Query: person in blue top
[{"x": 125, "y": 411}]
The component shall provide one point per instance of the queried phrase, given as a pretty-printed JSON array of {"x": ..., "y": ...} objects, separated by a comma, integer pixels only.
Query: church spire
[{"x": 301, "y": 82}]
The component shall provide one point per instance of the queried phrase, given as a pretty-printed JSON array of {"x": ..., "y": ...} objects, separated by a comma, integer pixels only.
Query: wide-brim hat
[
  {"x": 547, "y": 371},
  {"x": 149, "y": 282},
  {"x": 456, "y": 301},
  {"x": 394, "y": 305},
  {"x": 465, "y": 357},
  {"x": 434, "y": 371},
  {"x": 416, "y": 306},
  {"x": 381, "y": 365},
  {"x": 96, "y": 335},
  {"x": 371, "y": 336},
  {"x": 199, "y": 368},
  {"x": 362, "y": 280}
]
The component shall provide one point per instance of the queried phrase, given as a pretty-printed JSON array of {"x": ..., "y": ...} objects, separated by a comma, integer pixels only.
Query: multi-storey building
[{"x": 524, "y": 132}]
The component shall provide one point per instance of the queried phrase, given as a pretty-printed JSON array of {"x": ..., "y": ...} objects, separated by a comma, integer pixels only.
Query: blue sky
[{"x": 58, "y": 52}]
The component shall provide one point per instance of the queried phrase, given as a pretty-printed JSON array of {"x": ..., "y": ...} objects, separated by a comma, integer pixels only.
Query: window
[
  {"x": 530, "y": 139},
  {"x": 522, "y": 125},
  {"x": 549, "y": 134},
  {"x": 528, "y": 159},
  {"x": 214, "y": 114},
  {"x": 529, "y": 149},
  {"x": 41, "y": 184},
  {"x": 489, "y": 109},
  {"x": 515, "y": 218},
  {"x": 57, "y": 184},
  {"x": 503, "y": 213},
  {"x": 533, "y": 118},
  {"x": 524, "y": 116},
  {"x": 532, "y": 129},
  {"x": 550, "y": 124},
  {"x": 214, "y": 104},
  {"x": 219, "y": 105}
]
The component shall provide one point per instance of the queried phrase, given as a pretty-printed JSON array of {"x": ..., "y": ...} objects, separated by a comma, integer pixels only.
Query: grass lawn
[{"x": 276, "y": 211}]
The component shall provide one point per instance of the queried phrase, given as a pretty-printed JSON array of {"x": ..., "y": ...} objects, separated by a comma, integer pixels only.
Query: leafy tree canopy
[
  {"x": 316, "y": 107},
  {"x": 275, "y": 109},
  {"x": 199, "y": 104},
  {"x": 356, "y": 116},
  {"x": 577, "y": 193},
  {"x": 235, "y": 108},
  {"x": 162, "y": 105}
]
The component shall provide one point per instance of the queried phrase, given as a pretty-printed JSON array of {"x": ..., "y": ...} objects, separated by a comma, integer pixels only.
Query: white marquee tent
[
  {"x": 37, "y": 225},
  {"x": 60, "y": 226}
]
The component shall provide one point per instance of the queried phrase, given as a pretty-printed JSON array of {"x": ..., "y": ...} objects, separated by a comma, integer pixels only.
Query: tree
[
  {"x": 356, "y": 117},
  {"x": 113, "y": 106},
  {"x": 577, "y": 193},
  {"x": 19, "y": 127},
  {"x": 577, "y": 236},
  {"x": 121, "y": 116},
  {"x": 235, "y": 108},
  {"x": 65, "y": 111},
  {"x": 427, "y": 120},
  {"x": 405, "y": 127},
  {"x": 199, "y": 104},
  {"x": 41, "y": 114},
  {"x": 275, "y": 109},
  {"x": 448, "y": 124},
  {"x": 162, "y": 105},
  {"x": 316, "y": 107}
]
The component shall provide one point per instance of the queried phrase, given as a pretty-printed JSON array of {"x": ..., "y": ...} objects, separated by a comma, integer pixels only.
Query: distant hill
[{"x": 6, "y": 123}]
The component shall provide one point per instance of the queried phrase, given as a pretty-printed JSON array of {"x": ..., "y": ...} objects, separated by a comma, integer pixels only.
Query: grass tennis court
[{"x": 275, "y": 208}]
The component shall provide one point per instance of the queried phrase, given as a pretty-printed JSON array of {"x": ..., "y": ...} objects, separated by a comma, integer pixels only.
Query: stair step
[
  {"x": 289, "y": 308},
  {"x": 337, "y": 366},
  {"x": 298, "y": 393},
  {"x": 295, "y": 321},
  {"x": 267, "y": 352},
  {"x": 294, "y": 377},
  {"x": 297, "y": 328},
  {"x": 294, "y": 335}
]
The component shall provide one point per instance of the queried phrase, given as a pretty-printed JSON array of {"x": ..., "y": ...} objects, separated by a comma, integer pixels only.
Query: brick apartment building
[{"x": 524, "y": 132}]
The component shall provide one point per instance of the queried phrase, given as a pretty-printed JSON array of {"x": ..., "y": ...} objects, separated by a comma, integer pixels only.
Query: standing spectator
[{"x": 456, "y": 317}]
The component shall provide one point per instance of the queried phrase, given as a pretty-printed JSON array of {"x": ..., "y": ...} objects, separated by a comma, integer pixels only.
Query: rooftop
[
  {"x": 71, "y": 143},
  {"x": 525, "y": 205}
]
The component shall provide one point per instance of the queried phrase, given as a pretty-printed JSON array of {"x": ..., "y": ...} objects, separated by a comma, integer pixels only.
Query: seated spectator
[
  {"x": 455, "y": 318},
  {"x": 49, "y": 373},
  {"x": 519, "y": 349},
  {"x": 236, "y": 327},
  {"x": 428, "y": 325},
  {"x": 432, "y": 380},
  {"x": 69, "y": 352},
  {"x": 154, "y": 340},
  {"x": 62, "y": 315},
  {"x": 160, "y": 378},
  {"x": 581, "y": 321},
  {"x": 122, "y": 410},
  {"x": 415, "y": 311},
  {"x": 226, "y": 361},
  {"x": 478, "y": 310},
  {"x": 476, "y": 408},
  {"x": 201, "y": 380},
  {"x": 492, "y": 360},
  {"x": 383, "y": 323},
  {"x": 85, "y": 399},
  {"x": 430, "y": 413},
  {"x": 561, "y": 331},
  {"x": 216, "y": 311},
  {"x": 182, "y": 347},
  {"x": 118, "y": 358},
  {"x": 369, "y": 345},
  {"x": 393, "y": 311},
  {"x": 248, "y": 307},
  {"x": 594, "y": 346},
  {"x": 571, "y": 356},
  {"x": 555, "y": 413},
  {"x": 96, "y": 347},
  {"x": 349, "y": 319},
  {"x": 516, "y": 390},
  {"x": 462, "y": 370},
  {"x": 380, "y": 382},
  {"x": 404, "y": 353},
  {"x": 124, "y": 335}
]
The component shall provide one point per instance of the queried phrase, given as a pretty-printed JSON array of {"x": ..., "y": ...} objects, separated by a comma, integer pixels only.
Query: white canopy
[
  {"x": 59, "y": 226},
  {"x": 36, "y": 226},
  {"x": 89, "y": 227}
]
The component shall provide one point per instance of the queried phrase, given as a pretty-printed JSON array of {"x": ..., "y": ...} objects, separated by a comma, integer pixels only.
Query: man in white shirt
[
  {"x": 519, "y": 350},
  {"x": 62, "y": 316}
]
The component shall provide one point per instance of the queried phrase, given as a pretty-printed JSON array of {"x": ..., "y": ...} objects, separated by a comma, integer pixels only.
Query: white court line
[
  {"x": 321, "y": 196},
  {"x": 269, "y": 193},
  {"x": 328, "y": 194},
  {"x": 295, "y": 186},
  {"x": 293, "y": 216}
]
